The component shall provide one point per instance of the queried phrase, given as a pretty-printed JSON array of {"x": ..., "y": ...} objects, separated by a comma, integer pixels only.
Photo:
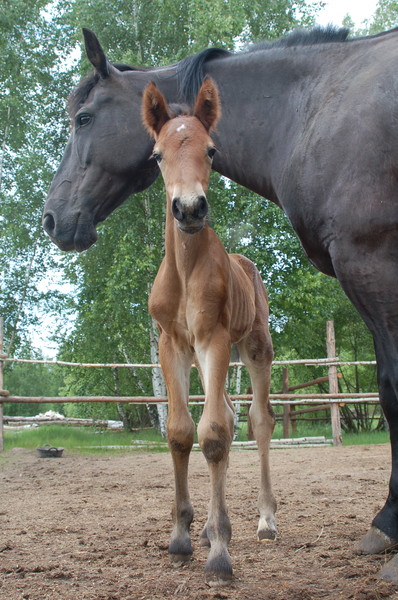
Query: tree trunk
[
  {"x": 237, "y": 404},
  {"x": 158, "y": 384}
]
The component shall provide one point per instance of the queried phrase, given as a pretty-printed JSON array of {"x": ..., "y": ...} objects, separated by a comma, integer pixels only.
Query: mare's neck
[{"x": 267, "y": 100}]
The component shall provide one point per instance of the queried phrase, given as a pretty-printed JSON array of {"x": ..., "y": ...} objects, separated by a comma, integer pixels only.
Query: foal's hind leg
[
  {"x": 256, "y": 353},
  {"x": 176, "y": 364}
]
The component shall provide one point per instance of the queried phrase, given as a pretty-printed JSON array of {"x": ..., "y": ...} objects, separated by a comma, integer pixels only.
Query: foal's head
[{"x": 184, "y": 150}]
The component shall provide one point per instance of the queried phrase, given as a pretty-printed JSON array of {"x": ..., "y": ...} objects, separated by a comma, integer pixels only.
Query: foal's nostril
[
  {"x": 176, "y": 209},
  {"x": 48, "y": 223},
  {"x": 202, "y": 207}
]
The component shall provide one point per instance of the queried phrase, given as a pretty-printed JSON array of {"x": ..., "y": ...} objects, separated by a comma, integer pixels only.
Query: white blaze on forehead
[{"x": 181, "y": 127}]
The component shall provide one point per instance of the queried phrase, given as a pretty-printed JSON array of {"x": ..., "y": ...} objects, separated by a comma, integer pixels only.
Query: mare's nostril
[
  {"x": 176, "y": 209},
  {"x": 48, "y": 223}
]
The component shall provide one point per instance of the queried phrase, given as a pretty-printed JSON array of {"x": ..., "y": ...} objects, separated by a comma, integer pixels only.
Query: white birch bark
[
  {"x": 237, "y": 404},
  {"x": 158, "y": 383}
]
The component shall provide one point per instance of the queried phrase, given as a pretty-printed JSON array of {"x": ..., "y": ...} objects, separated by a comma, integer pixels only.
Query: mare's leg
[
  {"x": 176, "y": 364},
  {"x": 256, "y": 353},
  {"x": 215, "y": 433},
  {"x": 370, "y": 282}
]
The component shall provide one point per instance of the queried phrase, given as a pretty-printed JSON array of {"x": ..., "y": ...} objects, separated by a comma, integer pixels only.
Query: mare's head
[
  {"x": 106, "y": 158},
  {"x": 184, "y": 150}
]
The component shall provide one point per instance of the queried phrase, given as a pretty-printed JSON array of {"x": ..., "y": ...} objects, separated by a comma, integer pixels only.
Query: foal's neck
[{"x": 183, "y": 249}]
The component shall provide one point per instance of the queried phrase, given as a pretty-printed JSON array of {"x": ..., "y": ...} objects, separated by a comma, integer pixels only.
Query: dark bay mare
[{"x": 309, "y": 122}]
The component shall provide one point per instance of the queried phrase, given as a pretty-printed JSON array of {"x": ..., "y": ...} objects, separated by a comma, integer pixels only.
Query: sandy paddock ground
[{"x": 97, "y": 527}]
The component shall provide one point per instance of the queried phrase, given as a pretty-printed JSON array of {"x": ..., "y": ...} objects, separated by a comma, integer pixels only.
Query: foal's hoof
[
  {"x": 219, "y": 570},
  {"x": 180, "y": 551},
  {"x": 214, "y": 580},
  {"x": 179, "y": 560},
  {"x": 374, "y": 542},
  {"x": 267, "y": 531},
  {"x": 390, "y": 570}
]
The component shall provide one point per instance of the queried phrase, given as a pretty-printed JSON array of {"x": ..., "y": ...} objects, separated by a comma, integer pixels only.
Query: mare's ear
[
  {"x": 208, "y": 106},
  {"x": 95, "y": 53},
  {"x": 155, "y": 112}
]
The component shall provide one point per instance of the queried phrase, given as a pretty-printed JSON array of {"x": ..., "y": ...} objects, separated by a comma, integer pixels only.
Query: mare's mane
[{"x": 190, "y": 71}]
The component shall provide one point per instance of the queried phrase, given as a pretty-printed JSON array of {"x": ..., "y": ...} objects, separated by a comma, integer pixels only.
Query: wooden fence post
[
  {"x": 333, "y": 383},
  {"x": 1, "y": 387}
]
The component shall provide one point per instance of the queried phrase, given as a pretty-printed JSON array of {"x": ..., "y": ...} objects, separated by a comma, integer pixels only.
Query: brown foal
[{"x": 204, "y": 300}]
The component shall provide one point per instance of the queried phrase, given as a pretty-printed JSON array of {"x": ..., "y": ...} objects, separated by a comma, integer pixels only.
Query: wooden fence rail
[{"x": 285, "y": 398}]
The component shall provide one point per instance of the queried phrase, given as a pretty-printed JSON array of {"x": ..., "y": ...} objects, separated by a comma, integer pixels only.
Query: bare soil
[{"x": 97, "y": 527}]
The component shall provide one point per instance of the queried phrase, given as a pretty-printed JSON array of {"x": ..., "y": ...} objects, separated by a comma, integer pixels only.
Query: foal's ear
[
  {"x": 95, "y": 53},
  {"x": 154, "y": 110},
  {"x": 208, "y": 106}
]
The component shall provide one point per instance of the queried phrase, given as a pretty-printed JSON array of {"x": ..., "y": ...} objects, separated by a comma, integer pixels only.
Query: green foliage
[
  {"x": 113, "y": 278},
  {"x": 33, "y": 86},
  {"x": 385, "y": 17},
  {"x": 161, "y": 31},
  {"x": 105, "y": 317},
  {"x": 112, "y": 323},
  {"x": 25, "y": 379}
]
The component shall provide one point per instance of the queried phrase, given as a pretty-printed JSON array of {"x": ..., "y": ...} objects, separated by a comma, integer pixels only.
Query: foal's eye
[
  {"x": 211, "y": 152},
  {"x": 83, "y": 119},
  {"x": 157, "y": 156}
]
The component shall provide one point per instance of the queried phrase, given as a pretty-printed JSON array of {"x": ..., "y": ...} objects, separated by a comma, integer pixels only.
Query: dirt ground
[{"x": 97, "y": 528}]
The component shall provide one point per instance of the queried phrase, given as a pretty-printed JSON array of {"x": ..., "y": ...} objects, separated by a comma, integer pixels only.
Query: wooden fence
[{"x": 286, "y": 398}]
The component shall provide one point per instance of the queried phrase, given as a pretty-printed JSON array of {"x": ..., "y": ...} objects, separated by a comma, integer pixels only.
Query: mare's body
[
  {"x": 309, "y": 122},
  {"x": 204, "y": 300}
]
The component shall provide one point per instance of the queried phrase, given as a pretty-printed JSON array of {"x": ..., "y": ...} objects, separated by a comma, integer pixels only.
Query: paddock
[{"x": 97, "y": 527}]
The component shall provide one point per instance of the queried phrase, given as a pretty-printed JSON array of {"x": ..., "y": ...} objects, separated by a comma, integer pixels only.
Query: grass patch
[
  {"x": 95, "y": 440},
  {"x": 81, "y": 439},
  {"x": 366, "y": 438},
  {"x": 324, "y": 429}
]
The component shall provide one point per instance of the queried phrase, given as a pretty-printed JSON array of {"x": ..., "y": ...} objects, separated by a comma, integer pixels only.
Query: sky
[{"x": 335, "y": 11}]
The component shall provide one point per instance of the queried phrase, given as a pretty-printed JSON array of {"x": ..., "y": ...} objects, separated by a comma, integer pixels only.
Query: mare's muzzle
[{"x": 72, "y": 233}]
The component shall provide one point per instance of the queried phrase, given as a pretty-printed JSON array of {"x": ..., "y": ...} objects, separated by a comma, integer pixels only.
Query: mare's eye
[
  {"x": 211, "y": 152},
  {"x": 157, "y": 157},
  {"x": 83, "y": 119}
]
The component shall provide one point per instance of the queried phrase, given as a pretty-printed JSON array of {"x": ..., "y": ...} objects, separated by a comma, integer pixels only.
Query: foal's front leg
[
  {"x": 215, "y": 433},
  {"x": 176, "y": 364}
]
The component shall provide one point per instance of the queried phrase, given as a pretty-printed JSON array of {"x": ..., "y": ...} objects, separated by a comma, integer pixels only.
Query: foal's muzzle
[{"x": 191, "y": 216}]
